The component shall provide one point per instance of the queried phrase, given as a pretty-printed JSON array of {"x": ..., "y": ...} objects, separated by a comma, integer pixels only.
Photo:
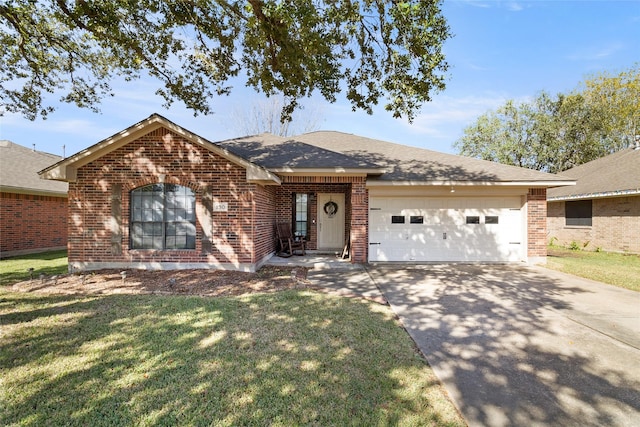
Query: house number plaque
[{"x": 220, "y": 206}]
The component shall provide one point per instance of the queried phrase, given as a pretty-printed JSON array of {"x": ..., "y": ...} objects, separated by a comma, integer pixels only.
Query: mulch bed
[{"x": 211, "y": 283}]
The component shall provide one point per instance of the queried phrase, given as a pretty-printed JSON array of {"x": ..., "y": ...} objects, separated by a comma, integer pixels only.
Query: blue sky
[{"x": 500, "y": 50}]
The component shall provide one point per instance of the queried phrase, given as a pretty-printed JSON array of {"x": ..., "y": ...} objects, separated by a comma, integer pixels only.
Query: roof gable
[
  {"x": 66, "y": 170},
  {"x": 19, "y": 168},
  {"x": 614, "y": 175}
]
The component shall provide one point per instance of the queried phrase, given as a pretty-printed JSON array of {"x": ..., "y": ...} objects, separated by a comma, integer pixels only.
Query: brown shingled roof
[
  {"x": 405, "y": 163},
  {"x": 615, "y": 174},
  {"x": 19, "y": 168},
  {"x": 276, "y": 152}
]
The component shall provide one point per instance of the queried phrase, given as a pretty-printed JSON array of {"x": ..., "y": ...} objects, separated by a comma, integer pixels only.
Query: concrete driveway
[{"x": 522, "y": 346}]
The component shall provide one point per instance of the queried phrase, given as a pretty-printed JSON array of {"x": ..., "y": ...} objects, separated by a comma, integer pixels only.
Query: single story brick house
[
  {"x": 603, "y": 209},
  {"x": 33, "y": 212},
  {"x": 158, "y": 196}
]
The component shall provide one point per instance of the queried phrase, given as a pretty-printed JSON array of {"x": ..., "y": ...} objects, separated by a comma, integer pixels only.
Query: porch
[
  {"x": 314, "y": 261},
  {"x": 329, "y": 212}
]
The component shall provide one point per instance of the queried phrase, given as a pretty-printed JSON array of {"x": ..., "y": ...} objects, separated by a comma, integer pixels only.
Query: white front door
[{"x": 330, "y": 221}]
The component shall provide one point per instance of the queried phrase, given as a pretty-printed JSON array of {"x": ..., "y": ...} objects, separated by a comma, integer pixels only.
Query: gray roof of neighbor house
[
  {"x": 405, "y": 163},
  {"x": 19, "y": 168},
  {"x": 617, "y": 174}
]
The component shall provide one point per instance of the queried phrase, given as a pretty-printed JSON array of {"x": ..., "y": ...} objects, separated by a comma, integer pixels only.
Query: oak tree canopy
[
  {"x": 371, "y": 50},
  {"x": 555, "y": 133}
]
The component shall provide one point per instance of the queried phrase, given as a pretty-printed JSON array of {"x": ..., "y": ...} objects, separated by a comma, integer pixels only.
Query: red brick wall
[
  {"x": 264, "y": 219},
  {"x": 160, "y": 156},
  {"x": 31, "y": 223},
  {"x": 537, "y": 222},
  {"x": 615, "y": 225}
]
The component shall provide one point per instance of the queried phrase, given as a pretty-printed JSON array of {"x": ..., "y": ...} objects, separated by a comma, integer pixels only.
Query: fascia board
[
  {"x": 326, "y": 171},
  {"x": 548, "y": 184},
  {"x": 31, "y": 191},
  {"x": 601, "y": 195}
]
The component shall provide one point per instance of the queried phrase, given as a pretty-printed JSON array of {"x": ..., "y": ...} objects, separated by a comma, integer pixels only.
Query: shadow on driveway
[{"x": 516, "y": 345}]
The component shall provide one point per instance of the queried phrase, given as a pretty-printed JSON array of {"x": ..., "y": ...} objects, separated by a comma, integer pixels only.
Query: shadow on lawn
[
  {"x": 497, "y": 337},
  {"x": 288, "y": 358}
]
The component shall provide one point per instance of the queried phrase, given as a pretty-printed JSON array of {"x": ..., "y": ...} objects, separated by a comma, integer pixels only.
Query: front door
[{"x": 331, "y": 221}]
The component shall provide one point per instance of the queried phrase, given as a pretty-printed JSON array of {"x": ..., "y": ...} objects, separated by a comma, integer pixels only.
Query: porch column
[
  {"x": 359, "y": 221},
  {"x": 537, "y": 225}
]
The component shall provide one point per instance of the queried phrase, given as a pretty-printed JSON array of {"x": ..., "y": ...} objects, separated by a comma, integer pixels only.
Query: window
[
  {"x": 416, "y": 219},
  {"x": 473, "y": 220},
  {"x": 301, "y": 214},
  {"x": 490, "y": 219},
  {"x": 578, "y": 212},
  {"x": 163, "y": 217},
  {"x": 397, "y": 219}
]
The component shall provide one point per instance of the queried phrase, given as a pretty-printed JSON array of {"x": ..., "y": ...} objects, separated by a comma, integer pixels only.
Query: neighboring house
[
  {"x": 158, "y": 196},
  {"x": 33, "y": 211},
  {"x": 603, "y": 210}
]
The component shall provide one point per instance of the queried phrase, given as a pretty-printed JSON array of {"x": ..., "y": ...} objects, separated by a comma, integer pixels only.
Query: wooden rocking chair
[{"x": 288, "y": 243}]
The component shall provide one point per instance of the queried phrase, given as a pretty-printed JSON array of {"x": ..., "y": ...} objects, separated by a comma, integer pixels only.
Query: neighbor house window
[
  {"x": 163, "y": 217},
  {"x": 301, "y": 214},
  {"x": 578, "y": 212}
]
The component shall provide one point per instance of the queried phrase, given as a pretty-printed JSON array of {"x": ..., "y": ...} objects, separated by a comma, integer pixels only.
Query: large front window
[{"x": 163, "y": 217}]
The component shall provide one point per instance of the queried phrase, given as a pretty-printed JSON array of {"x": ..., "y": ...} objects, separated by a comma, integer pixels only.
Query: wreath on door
[{"x": 331, "y": 209}]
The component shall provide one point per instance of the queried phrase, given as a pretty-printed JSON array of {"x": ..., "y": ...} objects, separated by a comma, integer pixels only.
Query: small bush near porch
[
  {"x": 286, "y": 358},
  {"x": 616, "y": 269}
]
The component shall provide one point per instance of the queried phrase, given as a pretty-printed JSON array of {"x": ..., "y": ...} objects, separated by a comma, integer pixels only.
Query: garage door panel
[{"x": 441, "y": 231}]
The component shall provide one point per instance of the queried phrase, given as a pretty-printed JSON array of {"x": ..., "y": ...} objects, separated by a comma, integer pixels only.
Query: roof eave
[
  {"x": 258, "y": 175},
  {"x": 547, "y": 184},
  {"x": 598, "y": 195},
  {"x": 31, "y": 191},
  {"x": 292, "y": 171}
]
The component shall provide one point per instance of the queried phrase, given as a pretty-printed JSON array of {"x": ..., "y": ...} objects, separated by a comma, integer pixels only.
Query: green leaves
[
  {"x": 370, "y": 49},
  {"x": 555, "y": 134}
]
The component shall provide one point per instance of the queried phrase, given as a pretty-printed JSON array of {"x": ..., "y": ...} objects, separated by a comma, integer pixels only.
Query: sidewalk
[{"x": 335, "y": 275}]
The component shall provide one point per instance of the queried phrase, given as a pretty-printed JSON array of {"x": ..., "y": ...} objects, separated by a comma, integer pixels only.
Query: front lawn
[
  {"x": 613, "y": 268},
  {"x": 285, "y": 359},
  {"x": 16, "y": 269}
]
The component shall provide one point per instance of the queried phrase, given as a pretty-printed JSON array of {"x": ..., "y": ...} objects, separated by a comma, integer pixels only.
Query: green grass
[
  {"x": 282, "y": 359},
  {"x": 16, "y": 269},
  {"x": 621, "y": 270}
]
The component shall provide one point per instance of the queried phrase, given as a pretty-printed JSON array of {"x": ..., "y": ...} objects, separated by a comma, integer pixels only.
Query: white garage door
[{"x": 446, "y": 229}]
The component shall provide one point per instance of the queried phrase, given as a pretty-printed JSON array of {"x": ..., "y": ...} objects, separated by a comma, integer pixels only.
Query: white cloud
[
  {"x": 597, "y": 52},
  {"x": 477, "y": 3},
  {"x": 460, "y": 111},
  {"x": 513, "y": 6}
]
